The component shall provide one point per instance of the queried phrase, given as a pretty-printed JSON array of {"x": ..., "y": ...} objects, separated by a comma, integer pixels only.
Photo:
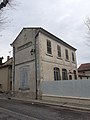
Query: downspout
[
  {"x": 13, "y": 75},
  {"x": 36, "y": 35}
]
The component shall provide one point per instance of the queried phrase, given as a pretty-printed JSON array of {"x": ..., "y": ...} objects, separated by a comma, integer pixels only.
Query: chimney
[
  {"x": 8, "y": 57},
  {"x": 1, "y": 58}
]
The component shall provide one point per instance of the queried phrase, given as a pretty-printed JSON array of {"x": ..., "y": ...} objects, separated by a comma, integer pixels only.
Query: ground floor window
[
  {"x": 75, "y": 75},
  {"x": 70, "y": 77},
  {"x": 24, "y": 77},
  {"x": 57, "y": 74},
  {"x": 64, "y": 74}
]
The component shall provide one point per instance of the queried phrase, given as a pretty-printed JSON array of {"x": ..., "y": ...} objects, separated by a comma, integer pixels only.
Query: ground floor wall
[
  {"x": 25, "y": 84},
  {"x": 47, "y": 70},
  {"x": 5, "y": 79}
]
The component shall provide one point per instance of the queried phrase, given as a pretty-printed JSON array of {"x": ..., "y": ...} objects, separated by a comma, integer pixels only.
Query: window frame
[
  {"x": 73, "y": 57},
  {"x": 66, "y": 54},
  {"x": 49, "y": 47},
  {"x": 24, "y": 78},
  {"x": 75, "y": 74},
  {"x": 64, "y": 74},
  {"x": 57, "y": 75},
  {"x": 59, "y": 51}
]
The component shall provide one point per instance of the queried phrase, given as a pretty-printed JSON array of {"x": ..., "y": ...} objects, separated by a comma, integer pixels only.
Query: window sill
[
  {"x": 59, "y": 58},
  {"x": 73, "y": 62},
  {"x": 49, "y": 55},
  {"x": 24, "y": 89},
  {"x": 67, "y": 60}
]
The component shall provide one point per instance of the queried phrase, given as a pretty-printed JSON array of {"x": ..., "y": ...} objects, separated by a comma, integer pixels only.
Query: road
[{"x": 20, "y": 110}]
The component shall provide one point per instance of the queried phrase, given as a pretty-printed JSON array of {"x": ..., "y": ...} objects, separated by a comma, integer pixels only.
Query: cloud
[{"x": 63, "y": 18}]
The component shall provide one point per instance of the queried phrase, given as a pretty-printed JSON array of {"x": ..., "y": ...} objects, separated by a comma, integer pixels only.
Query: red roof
[{"x": 84, "y": 67}]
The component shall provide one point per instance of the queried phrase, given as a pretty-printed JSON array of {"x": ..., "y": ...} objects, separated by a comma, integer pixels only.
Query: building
[
  {"x": 84, "y": 71},
  {"x": 6, "y": 75},
  {"x": 38, "y": 56}
]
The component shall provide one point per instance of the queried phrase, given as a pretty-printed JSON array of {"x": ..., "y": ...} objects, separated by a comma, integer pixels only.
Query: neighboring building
[
  {"x": 40, "y": 56},
  {"x": 6, "y": 75},
  {"x": 84, "y": 71}
]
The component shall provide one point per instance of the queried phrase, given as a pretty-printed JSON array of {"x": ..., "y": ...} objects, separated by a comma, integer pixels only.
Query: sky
[{"x": 63, "y": 18}]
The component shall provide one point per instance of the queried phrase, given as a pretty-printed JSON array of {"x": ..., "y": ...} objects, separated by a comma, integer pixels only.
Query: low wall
[{"x": 73, "y": 91}]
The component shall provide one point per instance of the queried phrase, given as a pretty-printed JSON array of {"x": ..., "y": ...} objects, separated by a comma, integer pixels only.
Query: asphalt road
[{"x": 19, "y": 110}]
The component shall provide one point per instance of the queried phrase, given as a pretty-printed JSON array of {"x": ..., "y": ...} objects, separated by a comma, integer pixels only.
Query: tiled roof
[
  {"x": 84, "y": 67},
  {"x": 7, "y": 63}
]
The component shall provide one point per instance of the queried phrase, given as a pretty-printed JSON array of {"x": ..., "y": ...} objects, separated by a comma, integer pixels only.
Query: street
[{"x": 20, "y": 110}]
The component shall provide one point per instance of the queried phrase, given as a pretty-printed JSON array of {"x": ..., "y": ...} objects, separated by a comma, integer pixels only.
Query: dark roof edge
[
  {"x": 3, "y": 66},
  {"x": 16, "y": 37},
  {"x": 40, "y": 29},
  {"x": 56, "y": 38}
]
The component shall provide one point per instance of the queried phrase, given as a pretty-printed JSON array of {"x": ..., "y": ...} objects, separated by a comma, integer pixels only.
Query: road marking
[{"x": 17, "y": 115}]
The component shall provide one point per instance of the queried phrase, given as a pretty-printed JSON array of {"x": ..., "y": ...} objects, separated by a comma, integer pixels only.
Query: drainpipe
[
  {"x": 13, "y": 75},
  {"x": 36, "y": 65}
]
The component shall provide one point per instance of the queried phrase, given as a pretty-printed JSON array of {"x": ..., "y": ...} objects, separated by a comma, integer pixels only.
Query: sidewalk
[
  {"x": 72, "y": 106},
  {"x": 65, "y": 105}
]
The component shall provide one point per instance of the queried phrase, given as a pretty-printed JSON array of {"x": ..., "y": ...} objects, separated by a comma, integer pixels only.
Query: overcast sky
[{"x": 64, "y": 18}]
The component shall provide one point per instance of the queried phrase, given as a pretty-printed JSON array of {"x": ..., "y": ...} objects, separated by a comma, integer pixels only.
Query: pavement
[{"x": 74, "y": 106}]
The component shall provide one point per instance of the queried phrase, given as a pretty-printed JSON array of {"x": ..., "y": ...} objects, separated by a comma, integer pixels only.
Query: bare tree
[{"x": 4, "y": 3}]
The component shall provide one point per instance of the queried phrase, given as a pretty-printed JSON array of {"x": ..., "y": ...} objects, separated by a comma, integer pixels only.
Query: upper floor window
[
  {"x": 66, "y": 53},
  {"x": 57, "y": 74},
  {"x": 59, "y": 51},
  {"x": 49, "y": 49},
  {"x": 73, "y": 58},
  {"x": 64, "y": 74}
]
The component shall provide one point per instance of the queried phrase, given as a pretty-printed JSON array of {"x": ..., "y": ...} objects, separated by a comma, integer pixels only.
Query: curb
[
  {"x": 53, "y": 104},
  {"x": 58, "y": 105}
]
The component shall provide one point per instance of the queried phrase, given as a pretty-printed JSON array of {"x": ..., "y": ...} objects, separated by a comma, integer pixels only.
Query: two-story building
[
  {"x": 84, "y": 71},
  {"x": 39, "y": 56}
]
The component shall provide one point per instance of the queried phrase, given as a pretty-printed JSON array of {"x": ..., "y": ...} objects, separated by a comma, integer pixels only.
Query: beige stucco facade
[
  {"x": 48, "y": 62},
  {"x": 6, "y": 76},
  {"x": 32, "y": 64}
]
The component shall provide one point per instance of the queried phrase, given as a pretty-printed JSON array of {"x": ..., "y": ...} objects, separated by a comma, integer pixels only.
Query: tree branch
[{"x": 3, "y": 4}]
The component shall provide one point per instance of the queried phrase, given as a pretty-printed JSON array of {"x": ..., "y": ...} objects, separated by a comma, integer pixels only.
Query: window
[
  {"x": 70, "y": 77},
  {"x": 80, "y": 77},
  {"x": 49, "y": 49},
  {"x": 75, "y": 75},
  {"x": 57, "y": 74},
  {"x": 64, "y": 74},
  {"x": 66, "y": 53},
  {"x": 59, "y": 50},
  {"x": 73, "y": 59},
  {"x": 1, "y": 86},
  {"x": 24, "y": 77}
]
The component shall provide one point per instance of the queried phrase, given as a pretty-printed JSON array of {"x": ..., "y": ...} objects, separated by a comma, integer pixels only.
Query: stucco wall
[
  {"x": 48, "y": 62},
  {"x": 4, "y": 79},
  {"x": 69, "y": 88},
  {"x": 25, "y": 60}
]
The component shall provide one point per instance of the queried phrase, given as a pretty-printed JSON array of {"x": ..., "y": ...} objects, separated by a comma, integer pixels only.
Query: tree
[{"x": 4, "y": 3}]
